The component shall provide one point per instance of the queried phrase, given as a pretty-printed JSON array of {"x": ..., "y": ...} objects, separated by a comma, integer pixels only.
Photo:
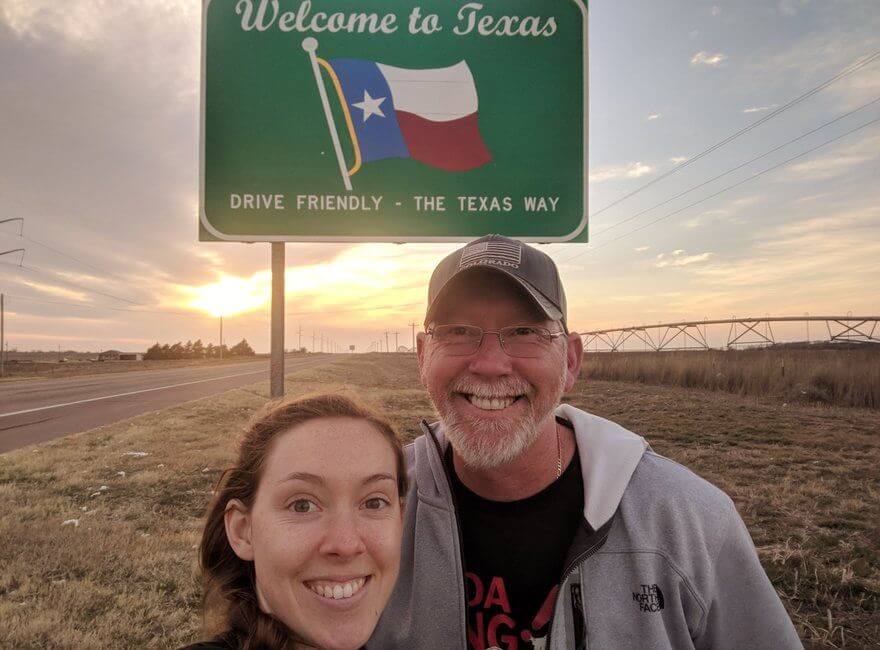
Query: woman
[{"x": 301, "y": 547}]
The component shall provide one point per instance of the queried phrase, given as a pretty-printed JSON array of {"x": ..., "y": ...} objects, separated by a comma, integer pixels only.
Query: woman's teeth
[
  {"x": 491, "y": 403},
  {"x": 337, "y": 590}
]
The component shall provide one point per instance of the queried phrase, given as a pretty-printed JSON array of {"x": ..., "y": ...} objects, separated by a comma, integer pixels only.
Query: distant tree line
[{"x": 198, "y": 350}]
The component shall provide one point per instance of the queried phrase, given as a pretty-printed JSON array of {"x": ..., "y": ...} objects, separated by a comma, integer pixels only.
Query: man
[{"x": 532, "y": 524}]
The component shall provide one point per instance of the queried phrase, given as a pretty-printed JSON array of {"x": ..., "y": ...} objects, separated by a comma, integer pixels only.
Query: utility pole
[
  {"x": 5, "y": 350},
  {"x": 313, "y": 341},
  {"x": 322, "y": 341},
  {"x": 396, "y": 342},
  {"x": 300, "y": 344},
  {"x": 221, "y": 336},
  {"x": 413, "y": 325},
  {"x": 2, "y": 338},
  {"x": 386, "y": 340}
]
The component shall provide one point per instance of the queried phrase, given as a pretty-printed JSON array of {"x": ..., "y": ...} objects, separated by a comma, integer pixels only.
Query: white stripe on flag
[{"x": 437, "y": 94}]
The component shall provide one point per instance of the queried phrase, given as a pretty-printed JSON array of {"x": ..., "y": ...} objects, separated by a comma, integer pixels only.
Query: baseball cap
[{"x": 528, "y": 267}]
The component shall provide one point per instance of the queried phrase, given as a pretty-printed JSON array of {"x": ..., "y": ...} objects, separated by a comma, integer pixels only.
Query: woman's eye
[
  {"x": 303, "y": 506},
  {"x": 375, "y": 503}
]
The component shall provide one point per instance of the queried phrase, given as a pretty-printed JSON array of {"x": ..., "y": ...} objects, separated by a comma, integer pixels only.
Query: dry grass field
[
  {"x": 99, "y": 530},
  {"x": 843, "y": 377}
]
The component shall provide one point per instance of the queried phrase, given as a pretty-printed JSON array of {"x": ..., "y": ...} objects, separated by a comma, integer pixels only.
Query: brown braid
[{"x": 230, "y": 601}]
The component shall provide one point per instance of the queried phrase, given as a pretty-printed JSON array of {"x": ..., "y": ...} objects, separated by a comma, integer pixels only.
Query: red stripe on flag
[{"x": 455, "y": 146}]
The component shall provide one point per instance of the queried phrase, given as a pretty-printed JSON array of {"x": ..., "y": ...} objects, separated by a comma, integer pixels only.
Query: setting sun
[{"x": 230, "y": 295}]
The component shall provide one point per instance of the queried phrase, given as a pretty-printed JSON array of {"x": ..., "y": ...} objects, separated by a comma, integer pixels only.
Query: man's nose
[
  {"x": 490, "y": 359},
  {"x": 343, "y": 537}
]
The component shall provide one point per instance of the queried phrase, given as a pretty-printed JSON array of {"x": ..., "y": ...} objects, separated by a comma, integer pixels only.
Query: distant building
[{"x": 116, "y": 355}]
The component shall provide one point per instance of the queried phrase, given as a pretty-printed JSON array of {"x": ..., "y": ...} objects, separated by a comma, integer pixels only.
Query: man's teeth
[
  {"x": 337, "y": 590},
  {"x": 491, "y": 403}
]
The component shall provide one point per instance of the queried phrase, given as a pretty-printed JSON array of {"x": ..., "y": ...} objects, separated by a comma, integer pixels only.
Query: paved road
[{"x": 40, "y": 410}]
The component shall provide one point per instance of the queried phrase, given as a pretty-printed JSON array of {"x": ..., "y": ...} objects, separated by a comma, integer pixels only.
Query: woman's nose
[{"x": 343, "y": 536}]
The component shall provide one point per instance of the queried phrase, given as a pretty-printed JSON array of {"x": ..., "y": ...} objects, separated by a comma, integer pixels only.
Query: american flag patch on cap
[{"x": 492, "y": 252}]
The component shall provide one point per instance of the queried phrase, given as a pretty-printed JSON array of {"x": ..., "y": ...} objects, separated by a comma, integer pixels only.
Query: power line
[
  {"x": 73, "y": 284},
  {"x": 123, "y": 309},
  {"x": 797, "y": 100},
  {"x": 738, "y": 167},
  {"x": 21, "y": 235},
  {"x": 721, "y": 191}
]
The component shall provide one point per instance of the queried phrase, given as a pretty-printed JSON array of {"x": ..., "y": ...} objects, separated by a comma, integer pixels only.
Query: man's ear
[
  {"x": 574, "y": 356},
  {"x": 237, "y": 520},
  {"x": 421, "y": 342}
]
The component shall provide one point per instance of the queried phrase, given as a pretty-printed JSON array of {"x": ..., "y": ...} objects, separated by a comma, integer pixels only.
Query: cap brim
[{"x": 537, "y": 297}]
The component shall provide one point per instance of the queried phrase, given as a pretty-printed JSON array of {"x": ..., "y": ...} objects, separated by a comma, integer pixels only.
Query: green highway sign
[{"x": 394, "y": 121}]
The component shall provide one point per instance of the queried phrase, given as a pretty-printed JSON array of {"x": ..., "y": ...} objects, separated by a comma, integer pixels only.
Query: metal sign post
[{"x": 276, "y": 365}]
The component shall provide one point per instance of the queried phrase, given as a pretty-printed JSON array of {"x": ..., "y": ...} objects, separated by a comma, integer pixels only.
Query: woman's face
[{"x": 324, "y": 531}]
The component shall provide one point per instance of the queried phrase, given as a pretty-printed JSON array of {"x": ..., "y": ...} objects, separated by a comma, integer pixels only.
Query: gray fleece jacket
[{"x": 662, "y": 560}]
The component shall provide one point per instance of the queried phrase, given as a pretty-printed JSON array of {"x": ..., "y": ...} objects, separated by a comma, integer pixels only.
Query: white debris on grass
[
  {"x": 206, "y": 470},
  {"x": 70, "y": 522},
  {"x": 103, "y": 488},
  {"x": 136, "y": 454},
  {"x": 160, "y": 465},
  {"x": 121, "y": 473}
]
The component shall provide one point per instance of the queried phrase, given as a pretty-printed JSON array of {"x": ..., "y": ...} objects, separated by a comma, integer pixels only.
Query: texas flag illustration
[{"x": 429, "y": 115}]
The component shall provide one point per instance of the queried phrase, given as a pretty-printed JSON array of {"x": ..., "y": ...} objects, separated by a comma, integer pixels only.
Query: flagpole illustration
[{"x": 310, "y": 45}]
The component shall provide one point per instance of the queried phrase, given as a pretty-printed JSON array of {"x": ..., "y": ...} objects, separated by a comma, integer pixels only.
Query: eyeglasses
[{"x": 525, "y": 341}]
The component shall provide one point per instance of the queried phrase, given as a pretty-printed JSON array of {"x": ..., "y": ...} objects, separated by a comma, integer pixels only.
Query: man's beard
[{"x": 486, "y": 444}]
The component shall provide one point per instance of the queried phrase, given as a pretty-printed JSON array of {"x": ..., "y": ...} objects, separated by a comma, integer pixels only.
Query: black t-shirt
[{"x": 514, "y": 554}]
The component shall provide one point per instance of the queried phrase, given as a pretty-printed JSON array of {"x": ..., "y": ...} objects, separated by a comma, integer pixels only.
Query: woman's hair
[{"x": 229, "y": 583}]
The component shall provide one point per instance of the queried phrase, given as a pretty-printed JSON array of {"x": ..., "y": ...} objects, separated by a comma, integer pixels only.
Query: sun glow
[
  {"x": 230, "y": 295},
  {"x": 370, "y": 281}
]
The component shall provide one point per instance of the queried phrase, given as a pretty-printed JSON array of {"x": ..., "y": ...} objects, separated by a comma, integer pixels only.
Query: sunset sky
[{"x": 99, "y": 123}]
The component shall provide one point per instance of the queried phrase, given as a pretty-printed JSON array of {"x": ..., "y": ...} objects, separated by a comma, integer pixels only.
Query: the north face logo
[{"x": 650, "y": 598}]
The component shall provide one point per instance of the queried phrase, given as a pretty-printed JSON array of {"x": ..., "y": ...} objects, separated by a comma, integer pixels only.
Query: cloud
[
  {"x": 708, "y": 59},
  {"x": 677, "y": 160},
  {"x": 654, "y": 116},
  {"x": 58, "y": 292},
  {"x": 642, "y": 249},
  {"x": 847, "y": 158},
  {"x": 818, "y": 55},
  {"x": 715, "y": 10},
  {"x": 759, "y": 109},
  {"x": 615, "y": 172},
  {"x": 812, "y": 263},
  {"x": 679, "y": 259},
  {"x": 791, "y": 7}
]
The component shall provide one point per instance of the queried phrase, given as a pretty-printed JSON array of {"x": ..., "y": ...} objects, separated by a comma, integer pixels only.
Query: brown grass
[
  {"x": 805, "y": 479},
  {"x": 843, "y": 377}
]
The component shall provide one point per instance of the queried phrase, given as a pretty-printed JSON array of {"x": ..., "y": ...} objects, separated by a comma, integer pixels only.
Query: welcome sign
[{"x": 364, "y": 120}]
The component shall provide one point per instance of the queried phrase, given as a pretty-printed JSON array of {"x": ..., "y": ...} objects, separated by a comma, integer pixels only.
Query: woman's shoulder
[{"x": 225, "y": 642}]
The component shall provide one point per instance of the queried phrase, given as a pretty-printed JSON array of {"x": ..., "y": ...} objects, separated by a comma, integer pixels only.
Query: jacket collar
[{"x": 608, "y": 454}]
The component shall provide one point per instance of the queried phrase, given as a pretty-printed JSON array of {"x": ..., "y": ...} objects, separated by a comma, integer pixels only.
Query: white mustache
[{"x": 508, "y": 387}]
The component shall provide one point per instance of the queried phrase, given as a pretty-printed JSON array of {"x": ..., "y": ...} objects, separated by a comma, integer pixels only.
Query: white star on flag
[{"x": 370, "y": 106}]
